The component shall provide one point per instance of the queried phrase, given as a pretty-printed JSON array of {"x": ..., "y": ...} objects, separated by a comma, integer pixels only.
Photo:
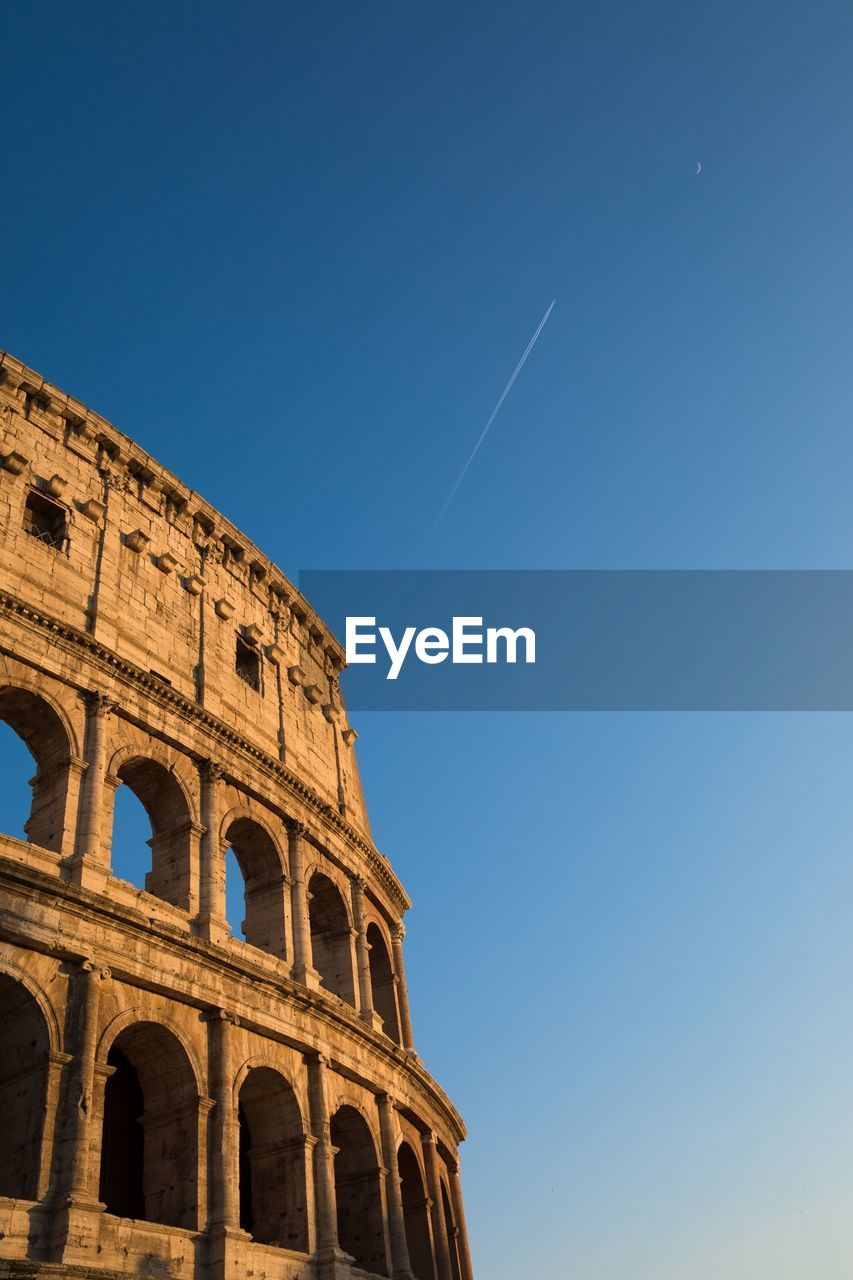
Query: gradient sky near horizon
[{"x": 296, "y": 252}]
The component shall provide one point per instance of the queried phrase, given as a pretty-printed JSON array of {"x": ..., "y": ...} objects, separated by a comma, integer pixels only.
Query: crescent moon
[{"x": 698, "y": 168}]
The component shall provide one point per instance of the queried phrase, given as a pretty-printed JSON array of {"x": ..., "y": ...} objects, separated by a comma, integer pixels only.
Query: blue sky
[{"x": 297, "y": 253}]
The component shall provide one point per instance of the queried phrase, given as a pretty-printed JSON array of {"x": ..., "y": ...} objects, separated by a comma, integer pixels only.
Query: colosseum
[{"x": 179, "y": 1101}]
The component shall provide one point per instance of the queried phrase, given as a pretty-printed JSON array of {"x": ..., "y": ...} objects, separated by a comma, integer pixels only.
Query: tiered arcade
[{"x": 177, "y": 1101}]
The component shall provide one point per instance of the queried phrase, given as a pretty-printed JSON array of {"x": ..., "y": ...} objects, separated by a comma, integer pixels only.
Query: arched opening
[
  {"x": 263, "y": 886},
  {"x": 130, "y": 851},
  {"x": 44, "y": 735},
  {"x": 16, "y": 797},
  {"x": 123, "y": 1153},
  {"x": 273, "y": 1205},
  {"x": 416, "y": 1214},
  {"x": 450, "y": 1227},
  {"x": 235, "y": 895},
  {"x": 358, "y": 1194},
  {"x": 149, "y": 1152},
  {"x": 23, "y": 1084},
  {"x": 382, "y": 982},
  {"x": 331, "y": 938},
  {"x": 161, "y": 796}
]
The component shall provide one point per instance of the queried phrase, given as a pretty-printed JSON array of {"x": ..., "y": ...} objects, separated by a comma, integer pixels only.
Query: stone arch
[
  {"x": 415, "y": 1212},
  {"x": 331, "y": 936},
  {"x": 344, "y": 1097},
  {"x": 149, "y": 1149},
  {"x": 269, "y": 1060},
  {"x": 25, "y": 1035},
  {"x": 11, "y": 969},
  {"x": 138, "y": 1014},
  {"x": 17, "y": 675},
  {"x": 263, "y": 867},
  {"x": 272, "y": 1159},
  {"x": 178, "y": 766},
  {"x": 383, "y": 982},
  {"x": 150, "y": 773},
  {"x": 43, "y": 727},
  {"x": 358, "y": 1190}
]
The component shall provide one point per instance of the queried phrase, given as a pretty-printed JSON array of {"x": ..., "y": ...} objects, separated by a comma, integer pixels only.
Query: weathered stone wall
[
  {"x": 182, "y": 1102},
  {"x": 156, "y": 575}
]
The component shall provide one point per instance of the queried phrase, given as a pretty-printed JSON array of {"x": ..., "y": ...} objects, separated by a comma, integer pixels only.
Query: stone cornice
[{"x": 158, "y": 692}]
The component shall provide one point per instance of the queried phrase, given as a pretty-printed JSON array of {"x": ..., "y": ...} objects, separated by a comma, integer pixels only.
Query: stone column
[
  {"x": 303, "y": 967},
  {"x": 55, "y": 808},
  {"x": 222, "y": 1174},
  {"x": 329, "y": 1253},
  {"x": 89, "y": 866},
  {"x": 362, "y": 951},
  {"x": 401, "y": 1267},
  {"x": 87, "y": 995},
  {"x": 459, "y": 1218},
  {"x": 212, "y": 923},
  {"x": 398, "y": 932},
  {"x": 57, "y": 1071},
  {"x": 74, "y": 1214},
  {"x": 103, "y": 1072},
  {"x": 203, "y": 1122},
  {"x": 439, "y": 1226},
  {"x": 196, "y": 835}
]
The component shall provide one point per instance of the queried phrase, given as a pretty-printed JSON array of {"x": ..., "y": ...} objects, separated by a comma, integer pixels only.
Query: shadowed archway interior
[
  {"x": 382, "y": 982},
  {"x": 23, "y": 1083},
  {"x": 263, "y": 925},
  {"x": 331, "y": 937},
  {"x": 273, "y": 1201},
  {"x": 358, "y": 1191},
  {"x": 416, "y": 1214},
  {"x": 153, "y": 1177}
]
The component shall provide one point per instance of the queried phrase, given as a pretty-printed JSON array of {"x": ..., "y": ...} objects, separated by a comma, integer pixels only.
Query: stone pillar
[
  {"x": 465, "y": 1268},
  {"x": 439, "y": 1226},
  {"x": 55, "y": 807},
  {"x": 212, "y": 923},
  {"x": 310, "y": 1191},
  {"x": 89, "y": 865},
  {"x": 362, "y": 952},
  {"x": 398, "y": 932},
  {"x": 401, "y": 1267},
  {"x": 74, "y": 779},
  {"x": 332, "y": 1260},
  {"x": 71, "y": 1208},
  {"x": 226, "y": 1250},
  {"x": 303, "y": 967},
  {"x": 222, "y": 1173},
  {"x": 205, "y": 1107},
  {"x": 88, "y": 1001},
  {"x": 108, "y": 809},
  {"x": 57, "y": 1071},
  {"x": 196, "y": 835},
  {"x": 102, "y": 1074}
]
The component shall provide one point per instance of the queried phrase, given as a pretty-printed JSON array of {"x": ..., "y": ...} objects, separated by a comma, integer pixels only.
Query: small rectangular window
[
  {"x": 46, "y": 520},
  {"x": 248, "y": 664}
]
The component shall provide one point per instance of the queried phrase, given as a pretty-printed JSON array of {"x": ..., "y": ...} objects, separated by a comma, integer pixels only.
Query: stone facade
[{"x": 175, "y": 1101}]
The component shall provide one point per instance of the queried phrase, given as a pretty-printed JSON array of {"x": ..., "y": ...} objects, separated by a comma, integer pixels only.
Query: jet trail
[{"x": 494, "y": 414}]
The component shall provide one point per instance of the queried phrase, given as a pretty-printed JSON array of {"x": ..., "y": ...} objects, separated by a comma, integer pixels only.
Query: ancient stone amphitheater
[{"x": 175, "y": 1100}]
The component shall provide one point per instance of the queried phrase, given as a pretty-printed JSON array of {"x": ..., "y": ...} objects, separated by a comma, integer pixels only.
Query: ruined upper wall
[{"x": 154, "y": 573}]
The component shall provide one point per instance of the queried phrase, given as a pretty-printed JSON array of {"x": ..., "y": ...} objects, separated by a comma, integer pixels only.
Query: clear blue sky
[{"x": 296, "y": 252}]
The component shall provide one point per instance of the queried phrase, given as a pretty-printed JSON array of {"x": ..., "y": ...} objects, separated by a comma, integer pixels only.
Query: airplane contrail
[{"x": 516, "y": 371}]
